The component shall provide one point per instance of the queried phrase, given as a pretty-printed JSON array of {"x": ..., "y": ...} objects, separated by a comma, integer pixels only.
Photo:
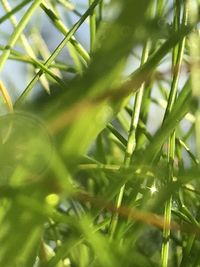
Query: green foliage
[{"x": 84, "y": 180}]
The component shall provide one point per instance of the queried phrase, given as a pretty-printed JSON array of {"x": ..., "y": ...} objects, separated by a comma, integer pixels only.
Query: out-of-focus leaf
[
  {"x": 20, "y": 233},
  {"x": 25, "y": 143},
  {"x": 86, "y": 110},
  {"x": 181, "y": 108},
  {"x": 27, "y": 161},
  {"x": 104, "y": 73}
]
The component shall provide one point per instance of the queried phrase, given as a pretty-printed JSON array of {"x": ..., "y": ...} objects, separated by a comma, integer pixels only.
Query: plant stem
[
  {"x": 17, "y": 32},
  {"x": 63, "y": 29},
  {"x": 70, "y": 7},
  {"x": 15, "y": 55},
  {"x": 92, "y": 27},
  {"x": 27, "y": 47},
  {"x": 131, "y": 140},
  {"x": 14, "y": 10},
  {"x": 57, "y": 51},
  {"x": 6, "y": 96},
  {"x": 100, "y": 13},
  {"x": 160, "y": 7},
  {"x": 194, "y": 42},
  {"x": 176, "y": 66}
]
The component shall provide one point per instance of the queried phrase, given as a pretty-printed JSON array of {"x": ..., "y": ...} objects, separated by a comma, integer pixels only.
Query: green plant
[{"x": 85, "y": 180}]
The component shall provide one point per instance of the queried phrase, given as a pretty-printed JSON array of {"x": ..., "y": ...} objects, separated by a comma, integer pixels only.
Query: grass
[{"x": 101, "y": 167}]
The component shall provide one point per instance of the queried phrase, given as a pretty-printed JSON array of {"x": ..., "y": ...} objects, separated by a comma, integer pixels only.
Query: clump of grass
[{"x": 86, "y": 177}]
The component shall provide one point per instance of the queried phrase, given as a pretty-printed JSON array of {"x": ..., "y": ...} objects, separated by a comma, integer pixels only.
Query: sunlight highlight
[{"x": 153, "y": 189}]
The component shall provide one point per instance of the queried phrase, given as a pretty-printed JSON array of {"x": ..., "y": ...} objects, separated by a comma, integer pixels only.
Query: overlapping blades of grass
[
  {"x": 97, "y": 79},
  {"x": 98, "y": 94},
  {"x": 103, "y": 74},
  {"x": 75, "y": 117}
]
